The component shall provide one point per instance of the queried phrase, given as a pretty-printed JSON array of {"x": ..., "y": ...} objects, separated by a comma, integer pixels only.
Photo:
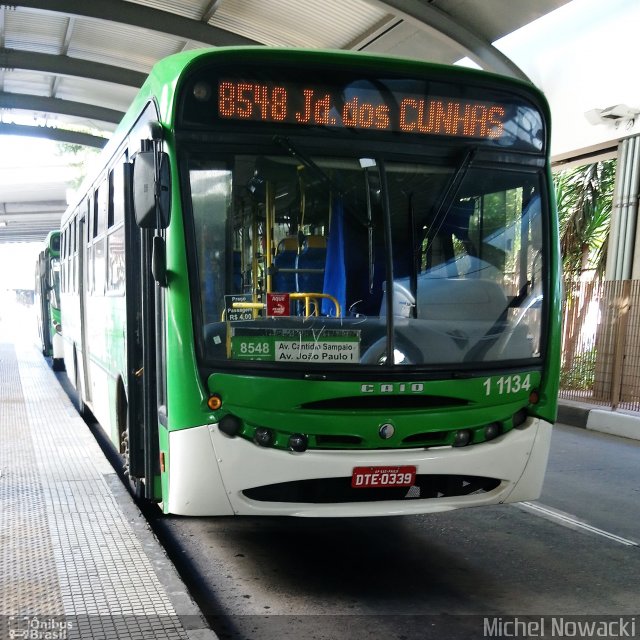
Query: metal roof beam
[
  {"x": 53, "y": 133},
  {"x": 209, "y": 10},
  {"x": 36, "y": 208},
  {"x": 57, "y": 105},
  {"x": 33, "y": 217},
  {"x": 2, "y": 29},
  {"x": 7, "y": 235},
  {"x": 379, "y": 29},
  {"x": 141, "y": 16},
  {"x": 480, "y": 50},
  {"x": 64, "y": 65},
  {"x": 55, "y": 82}
]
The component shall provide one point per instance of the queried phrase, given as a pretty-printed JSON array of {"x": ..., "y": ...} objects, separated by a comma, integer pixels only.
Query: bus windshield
[{"x": 332, "y": 261}]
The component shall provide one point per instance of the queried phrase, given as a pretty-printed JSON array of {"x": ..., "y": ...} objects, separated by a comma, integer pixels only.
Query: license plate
[{"x": 368, "y": 477}]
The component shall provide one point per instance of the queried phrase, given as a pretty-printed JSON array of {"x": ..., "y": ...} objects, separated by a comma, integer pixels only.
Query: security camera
[
  {"x": 612, "y": 115},
  {"x": 619, "y": 112}
]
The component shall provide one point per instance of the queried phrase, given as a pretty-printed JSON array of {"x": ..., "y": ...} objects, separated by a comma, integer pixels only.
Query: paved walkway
[{"x": 77, "y": 558}]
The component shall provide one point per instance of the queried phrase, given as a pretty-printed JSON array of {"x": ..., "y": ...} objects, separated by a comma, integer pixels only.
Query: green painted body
[{"x": 461, "y": 404}]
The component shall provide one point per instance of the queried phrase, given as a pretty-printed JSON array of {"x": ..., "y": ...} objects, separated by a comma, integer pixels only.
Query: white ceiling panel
[
  {"x": 407, "y": 41},
  {"x": 30, "y": 30},
  {"x": 193, "y": 9},
  {"x": 111, "y": 96},
  {"x": 27, "y": 82},
  {"x": 120, "y": 45},
  {"x": 328, "y": 23}
]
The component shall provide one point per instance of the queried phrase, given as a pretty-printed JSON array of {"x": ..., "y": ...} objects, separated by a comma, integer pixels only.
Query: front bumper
[{"x": 208, "y": 473}]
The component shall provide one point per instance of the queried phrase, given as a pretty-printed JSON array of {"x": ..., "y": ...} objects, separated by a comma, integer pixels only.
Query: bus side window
[
  {"x": 115, "y": 238},
  {"x": 100, "y": 225},
  {"x": 66, "y": 273},
  {"x": 90, "y": 234},
  {"x": 63, "y": 261},
  {"x": 73, "y": 257}
]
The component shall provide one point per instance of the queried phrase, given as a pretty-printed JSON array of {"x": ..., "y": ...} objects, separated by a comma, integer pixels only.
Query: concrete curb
[{"x": 597, "y": 418}]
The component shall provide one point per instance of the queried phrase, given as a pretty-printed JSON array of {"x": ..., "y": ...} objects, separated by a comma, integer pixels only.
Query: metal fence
[{"x": 601, "y": 344}]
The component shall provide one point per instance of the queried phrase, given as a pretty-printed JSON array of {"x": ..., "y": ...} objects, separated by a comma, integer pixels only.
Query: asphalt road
[{"x": 572, "y": 553}]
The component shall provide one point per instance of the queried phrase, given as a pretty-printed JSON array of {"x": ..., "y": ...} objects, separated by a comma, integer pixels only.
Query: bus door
[
  {"x": 145, "y": 328},
  {"x": 43, "y": 300},
  {"x": 84, "y": 282}
]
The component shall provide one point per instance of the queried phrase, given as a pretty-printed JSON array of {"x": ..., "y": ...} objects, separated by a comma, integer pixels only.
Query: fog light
[
  {"x": 298, "y": 442},
  {"x": 492, "y": 431},
  {"x": 462, "y": 438},
  {"x": 264, "y": 437},
  {"x": 230, "y": 425}
]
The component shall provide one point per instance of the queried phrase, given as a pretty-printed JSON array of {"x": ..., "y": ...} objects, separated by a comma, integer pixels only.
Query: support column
[
  {"x": 616, "y": 379},
  {"x": 623, "y": 253}
]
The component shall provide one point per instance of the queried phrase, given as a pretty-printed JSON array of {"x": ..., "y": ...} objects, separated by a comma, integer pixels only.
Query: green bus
[
  {"x": 319, "y": 283},
  {"x": 47, "y": 300}
]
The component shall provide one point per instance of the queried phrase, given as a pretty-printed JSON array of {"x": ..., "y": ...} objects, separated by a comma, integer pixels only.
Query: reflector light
[
  {"x": 492, "y": 431},
  {"x": 264, "y": 437},
  {"x": 214, "y": 402},
  {"x": 534, "y": 397},
  {"x": 230, "y": 425},
  {"x": 462, "y": 438},
  {"x": 162, "y": 461},
  {"x": 298, "y": 442}
]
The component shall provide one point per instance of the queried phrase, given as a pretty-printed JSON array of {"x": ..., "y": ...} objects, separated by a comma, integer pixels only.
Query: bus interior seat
[
  {"x": 237, "y": 270},
  {"x": 459, "y": 299},
  {"x": 285, "y": 258},
  {"x": 313, "y": 255},
  {"x": 465, "y": 310}
]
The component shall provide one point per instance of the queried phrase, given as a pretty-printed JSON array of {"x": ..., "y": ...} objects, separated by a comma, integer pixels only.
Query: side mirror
[
  {"x": 151, "y": 197},
  {"x": 55, "y": 271}
]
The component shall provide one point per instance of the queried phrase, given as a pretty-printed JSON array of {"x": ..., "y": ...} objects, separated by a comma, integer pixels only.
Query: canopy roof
[{"x": 68, "y": 68}]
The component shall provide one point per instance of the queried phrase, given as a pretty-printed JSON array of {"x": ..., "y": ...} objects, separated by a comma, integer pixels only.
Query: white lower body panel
[
  {"x": 209, "y": 471},
  {"x": 57, "y": 346}
]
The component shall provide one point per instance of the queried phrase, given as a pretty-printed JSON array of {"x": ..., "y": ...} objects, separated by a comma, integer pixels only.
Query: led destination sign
[{"x": 360, "y": 108}]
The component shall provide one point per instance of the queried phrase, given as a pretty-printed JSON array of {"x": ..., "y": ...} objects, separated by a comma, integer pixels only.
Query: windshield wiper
[
  {"x": 388, "y": 245},
  {"x": 451, "y": 190},
  {"x": 441, "y": 210},
  {"x": 306, "y": 161}
]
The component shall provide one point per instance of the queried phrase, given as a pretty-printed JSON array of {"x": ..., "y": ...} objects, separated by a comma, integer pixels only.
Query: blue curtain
[{"x": 335, "y": 277}]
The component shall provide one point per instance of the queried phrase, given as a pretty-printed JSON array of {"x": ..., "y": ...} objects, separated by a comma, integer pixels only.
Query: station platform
[
  {"x": 77, "y": 558},
  {"x": 625, "y": 424}
]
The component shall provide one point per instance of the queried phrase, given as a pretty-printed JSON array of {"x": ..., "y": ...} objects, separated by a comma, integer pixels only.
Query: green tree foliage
[
  {"x": 79, "y": 157},
  {"x": 584, "y": 196}
]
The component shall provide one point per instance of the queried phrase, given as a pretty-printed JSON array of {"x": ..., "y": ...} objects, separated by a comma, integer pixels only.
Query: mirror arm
[{"x": 159, "y": 261}]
